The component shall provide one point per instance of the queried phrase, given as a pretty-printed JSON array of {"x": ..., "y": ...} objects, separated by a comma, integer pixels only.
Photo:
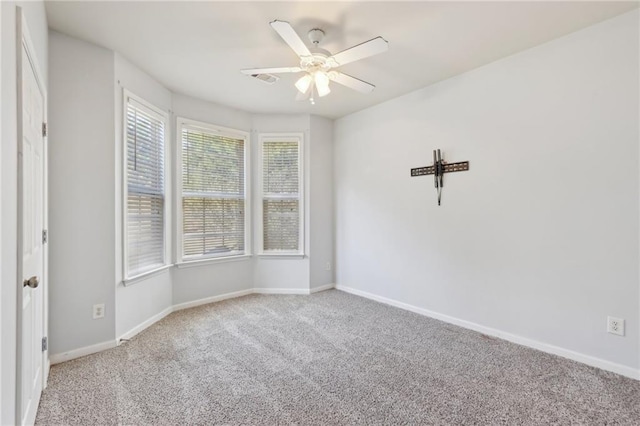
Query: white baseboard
[
  {"x": 47, "y": 369},
  {"x": 293, "y": 290},
  {"x": 545, "y": 347},
  {"x": 212, "y": 299},
  {"x": 149, "y": 322},
  {"x": 80, "y": 352},
  {"x": 321, "y": 288},
  {"x": 88, "y": 350},
  {"x": 281, "y": 291},
  {"x": 524, "y": 341}
]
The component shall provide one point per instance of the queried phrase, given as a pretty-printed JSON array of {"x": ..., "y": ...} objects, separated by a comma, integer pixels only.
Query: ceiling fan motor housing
[{"x": 318, "y": 61}]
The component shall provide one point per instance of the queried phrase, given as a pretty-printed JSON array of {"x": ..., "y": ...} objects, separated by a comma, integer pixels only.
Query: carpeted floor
[{"x": 327, "y": 359}]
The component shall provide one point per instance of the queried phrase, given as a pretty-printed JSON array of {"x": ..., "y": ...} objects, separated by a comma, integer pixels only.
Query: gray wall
[
  {"x": 81, "y": 193},
  {"x": 135, "y": 304},
  {"x": 86, "y": 200},
  {"x": 321, "y": 202},
  {"x": 213, "y": 279},
  {"x": 281, "y": 272},
  {"x": 538, "y": 239}
]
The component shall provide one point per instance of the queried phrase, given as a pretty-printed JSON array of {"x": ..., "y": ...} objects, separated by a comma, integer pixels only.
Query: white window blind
[
  {"x": 281, "y": 210},
  {"x": 145, "y": 199},
  {"x": 213, "y": 193}
]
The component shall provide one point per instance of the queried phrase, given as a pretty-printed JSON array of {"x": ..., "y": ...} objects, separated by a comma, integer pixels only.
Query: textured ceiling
[{"x": 198, "y": 48}]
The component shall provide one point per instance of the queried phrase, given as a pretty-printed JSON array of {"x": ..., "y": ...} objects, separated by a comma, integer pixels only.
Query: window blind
[
  {"x": 281, "y": 196},
  {"x": 145, "y": 189},
  {"x": 213, "y": 194}
]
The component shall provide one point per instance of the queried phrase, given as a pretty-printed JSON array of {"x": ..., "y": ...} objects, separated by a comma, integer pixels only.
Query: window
[
  {"x": 145, "y": 187},
  {"x": 213, "y": 180},
  {"x": 282, "y": 201}
]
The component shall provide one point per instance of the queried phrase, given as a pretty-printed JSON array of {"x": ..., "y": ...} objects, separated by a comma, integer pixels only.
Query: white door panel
[{"x": 31, "y": 198}]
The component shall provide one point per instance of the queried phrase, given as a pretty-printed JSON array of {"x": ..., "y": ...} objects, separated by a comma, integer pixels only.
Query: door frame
[
  {"x": 1, "y": 345},
  {"x": 23, "y": 40}
]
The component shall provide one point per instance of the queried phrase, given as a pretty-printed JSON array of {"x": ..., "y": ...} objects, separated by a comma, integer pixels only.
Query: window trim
[
  {"x": 212, "y": 261},
  {"x": 226, "y": 132},
  {"x": 281, "y": 137},
  {"x": 164, "y": 117},
  {"x": 145, "y": 275}
]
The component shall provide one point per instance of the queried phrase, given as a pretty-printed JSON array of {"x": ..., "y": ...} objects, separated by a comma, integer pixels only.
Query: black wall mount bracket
[{"x": 438, "y": 169}]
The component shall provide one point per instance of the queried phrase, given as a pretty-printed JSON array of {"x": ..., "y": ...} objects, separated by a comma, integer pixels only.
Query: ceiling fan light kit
[
  {"x": 322, "y": 83},
  {"x": 304, "y": 83},
  {"x": 318, "y": 64}
]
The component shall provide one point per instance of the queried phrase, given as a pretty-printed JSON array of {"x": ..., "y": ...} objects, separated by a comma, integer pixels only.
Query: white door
[{"x": 31, "y": 202}]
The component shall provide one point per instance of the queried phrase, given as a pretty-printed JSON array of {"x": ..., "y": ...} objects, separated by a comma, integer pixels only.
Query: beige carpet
[{"x": 327, "y": 359}]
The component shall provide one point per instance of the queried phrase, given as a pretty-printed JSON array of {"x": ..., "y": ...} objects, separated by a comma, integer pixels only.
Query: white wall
[
  {"x": 81, "y": 193},
  {"x": 136, "y": 303},
  {"x": 282, "y": 272},
  {"x": 37, "y": 23},
  {"x": 540, "y": 237},
  {"x": 321, "y": 202}
]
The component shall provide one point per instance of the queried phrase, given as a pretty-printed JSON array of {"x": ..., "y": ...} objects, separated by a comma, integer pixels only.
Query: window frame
[
  {"x": 281, "y": 137},
  {"x": 181, "y": 261},
  {"x": 166, "y": 253}
]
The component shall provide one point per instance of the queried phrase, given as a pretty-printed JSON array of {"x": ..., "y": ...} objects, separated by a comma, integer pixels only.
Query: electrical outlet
[
  {"x": 328, "y": 266},
  {"x": 98, "y": 311},
  {"x": 615, "y": 326}
]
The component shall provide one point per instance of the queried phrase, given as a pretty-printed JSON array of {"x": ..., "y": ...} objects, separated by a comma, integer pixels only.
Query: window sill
[
  {"x": 281, "y": 255},
  {"x": 133, "y": 280},
  {"x": 212, "y": 261}
]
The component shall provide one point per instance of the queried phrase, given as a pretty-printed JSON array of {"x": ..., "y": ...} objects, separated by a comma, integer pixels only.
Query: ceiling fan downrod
[{"x": 315, "y": 36}]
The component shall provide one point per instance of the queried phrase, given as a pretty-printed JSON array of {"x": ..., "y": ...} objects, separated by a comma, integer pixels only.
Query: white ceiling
[{"x": 198, "y": 48}]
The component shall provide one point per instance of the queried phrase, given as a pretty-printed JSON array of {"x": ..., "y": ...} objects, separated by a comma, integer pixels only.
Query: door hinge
[
  {"x": 45, "y": 344},
  {"x": 44, "y": 129},
  {"x": 45, "y": 236}
]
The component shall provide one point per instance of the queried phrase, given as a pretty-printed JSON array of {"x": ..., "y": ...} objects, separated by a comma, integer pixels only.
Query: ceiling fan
[{"x": 318, "y": 65}]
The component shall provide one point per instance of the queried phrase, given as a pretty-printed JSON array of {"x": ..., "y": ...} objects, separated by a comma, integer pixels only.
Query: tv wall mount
[{"x": 438, "y": 169}]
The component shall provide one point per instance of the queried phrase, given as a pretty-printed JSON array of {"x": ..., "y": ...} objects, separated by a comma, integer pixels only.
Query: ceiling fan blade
[
  {"x": 281, "y": 70},
  {"x": 290, "y": 37},
  {"x": 362, "y": 50},
  {"x": 351, "y": 82}
]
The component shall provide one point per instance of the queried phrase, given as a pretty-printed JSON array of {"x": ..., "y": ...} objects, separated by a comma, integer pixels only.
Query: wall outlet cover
[
  {"x": 98, "y": 311},
  {"x": 615, "y": 326}
]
